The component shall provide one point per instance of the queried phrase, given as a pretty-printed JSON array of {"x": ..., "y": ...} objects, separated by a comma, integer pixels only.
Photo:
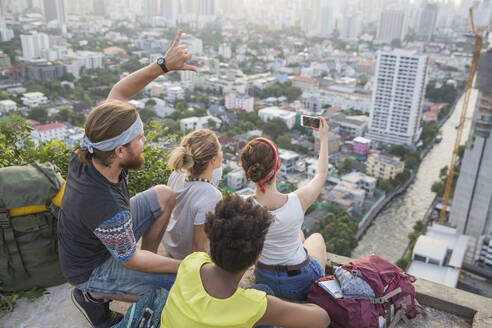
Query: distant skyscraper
[
  {"x": 307, "y": 20},
  {"x": 55, "y": 9},
  {"x": 169, "y": 10},
  {"x": 206, "y": 7},
  {"x": 396, "y": 111},
  {"x": 6, "y": 34},
  {"x": 472, "y": 203},
  {"x": 150, "y": 10},
  {"x": 392, "y": 25},
  {"x": 427, "y": 21},
  {"x": 33, "y": 44},
  {"x": 325, "y": 22},
  {"x": 351, "y": 25},
  {"x": 99, "y": 7}
]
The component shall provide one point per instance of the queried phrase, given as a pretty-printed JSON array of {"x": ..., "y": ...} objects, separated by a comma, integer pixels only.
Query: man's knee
[{"x": 166, "y": 196}]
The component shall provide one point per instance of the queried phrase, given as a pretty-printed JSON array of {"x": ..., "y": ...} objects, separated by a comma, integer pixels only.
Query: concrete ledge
[{"x": 476, "y": 308}]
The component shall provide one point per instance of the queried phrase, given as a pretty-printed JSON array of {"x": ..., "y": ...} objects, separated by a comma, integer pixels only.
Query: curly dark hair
[
  {"x": 237, "y": 232},
  {"x": 257, "y": 159}
]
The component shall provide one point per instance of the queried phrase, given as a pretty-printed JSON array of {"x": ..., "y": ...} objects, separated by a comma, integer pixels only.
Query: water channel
[{"x": 388, "y": 234}]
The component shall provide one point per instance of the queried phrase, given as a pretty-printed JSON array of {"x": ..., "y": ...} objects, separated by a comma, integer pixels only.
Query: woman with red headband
[{"x": 288, "y": 263}]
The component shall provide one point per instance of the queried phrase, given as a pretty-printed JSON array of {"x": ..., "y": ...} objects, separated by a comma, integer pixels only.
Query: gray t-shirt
[{"x": 194, "y": 199}]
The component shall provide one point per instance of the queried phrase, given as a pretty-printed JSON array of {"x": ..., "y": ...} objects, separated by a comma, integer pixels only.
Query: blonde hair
[{"x": 194, "y": 153}]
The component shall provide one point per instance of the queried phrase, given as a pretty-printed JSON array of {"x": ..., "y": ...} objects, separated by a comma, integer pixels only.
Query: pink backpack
[{"x": 394, "y": 296}]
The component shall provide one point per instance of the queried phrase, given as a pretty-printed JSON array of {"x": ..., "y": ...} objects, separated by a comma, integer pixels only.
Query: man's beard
[{"x": 134, "y": 162}]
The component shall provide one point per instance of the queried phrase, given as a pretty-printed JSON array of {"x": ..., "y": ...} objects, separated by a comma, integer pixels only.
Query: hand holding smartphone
[{"x": 310, "y": 121}]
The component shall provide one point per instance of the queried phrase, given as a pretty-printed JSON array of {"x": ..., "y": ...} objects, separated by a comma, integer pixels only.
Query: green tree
[
  {"x": 274, "y": 128},
  {"x": 39, "y": 114},
  {"x": 212, "y": 125},
  {"x": 438, "y": 188},
  {"x": 385, "y": 185},
  {"x": 283, "y": 141},
  {"x": 346, "y": 166},
  {"x": 338, "y": 232},
  {"x": 147, "y": 114},
  {"x": 292, "y": 93},
  {"x": 398, "y": 150}
]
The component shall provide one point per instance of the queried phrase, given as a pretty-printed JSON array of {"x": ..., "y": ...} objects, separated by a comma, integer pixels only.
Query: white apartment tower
[
  {"x": 392, "y": 25},
  {"x": 396, "y": 111},
  {"x": 33, "y": 45}
]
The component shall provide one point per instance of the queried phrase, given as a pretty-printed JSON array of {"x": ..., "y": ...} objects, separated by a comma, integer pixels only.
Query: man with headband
[{"x": 99, "y": 225}]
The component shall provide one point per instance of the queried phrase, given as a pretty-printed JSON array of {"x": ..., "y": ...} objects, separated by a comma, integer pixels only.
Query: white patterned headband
[{"x": 125, "y": 137}]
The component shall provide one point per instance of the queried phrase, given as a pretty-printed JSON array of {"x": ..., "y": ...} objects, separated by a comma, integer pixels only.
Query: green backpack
[{"x": 29, "y": 199}]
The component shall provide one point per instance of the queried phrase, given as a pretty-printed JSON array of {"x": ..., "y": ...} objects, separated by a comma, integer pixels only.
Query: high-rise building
[
  {"x": 33, "y": 45},
  {"x": 427, "y": 21},
  {"x": 325, "y": 22},
  {"x": 6, "y": 34},
  {"x": 99, "y": 7},
  {"x": 169, "y": 11},
  {"x": 472, "y": 203},
  {"x": 351, "y": 26},
  {"x": 206, "y": 7},
  {"x": 55, "y": 9},
  {"x": 150, "y": 10},
  {"x": 392, "y": 25},
  {"x": 396, "y": 110}
]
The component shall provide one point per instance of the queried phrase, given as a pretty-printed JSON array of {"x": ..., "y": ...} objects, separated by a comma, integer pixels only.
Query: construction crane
[{"x": 477, "y": 35}]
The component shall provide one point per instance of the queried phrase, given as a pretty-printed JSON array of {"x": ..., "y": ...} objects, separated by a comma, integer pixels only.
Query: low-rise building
[
  {"x": 361, "y": 146},
  {"x": 347, "y": 196},
  {"x": 305, "y": 83},
  {"x": 384, "y": 166},
  {"x": 334, "y": 141},
  {"x": 241, "y": 102},
  {"x": 342, "y": 97},
  {"x": 268, "y": 113},
  {"x": 288, "y": 160},
  {"x": 438, "y": 255},
  {"x": 47, "y": 132},
  {"x": 361, "y": 181},
  {"x": 174, "y": 93},
  {"x": 73, "y": 137},
  {"x": 197, "y": 123},
  {"x": 34, "y": 99},
  {"x": 236, "y": 179},
  {"x": 113, "y": 51},
  {"x": 352, "y": 126},
  {"x": 44, "y": 72},
  {"x": 6, "y": 106}
]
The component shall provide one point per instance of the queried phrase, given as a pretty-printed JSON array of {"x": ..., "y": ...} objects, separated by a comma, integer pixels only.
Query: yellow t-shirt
[{"x": 189, "y": 305}]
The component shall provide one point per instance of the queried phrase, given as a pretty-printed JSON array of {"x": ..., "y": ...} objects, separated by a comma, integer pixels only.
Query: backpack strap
[
  {"x": 385, "y": 298},
  {"x": 12, "y": 248}
]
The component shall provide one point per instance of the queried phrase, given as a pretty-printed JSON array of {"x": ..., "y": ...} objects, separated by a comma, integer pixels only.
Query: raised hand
[{"x": 177, "y": 56}]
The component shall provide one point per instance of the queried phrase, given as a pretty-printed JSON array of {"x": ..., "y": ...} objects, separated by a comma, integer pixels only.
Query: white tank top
[{"x": 283, "y": 245}]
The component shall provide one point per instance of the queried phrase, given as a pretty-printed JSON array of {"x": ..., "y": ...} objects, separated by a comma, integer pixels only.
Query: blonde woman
[{"x": 193, "y": 162}]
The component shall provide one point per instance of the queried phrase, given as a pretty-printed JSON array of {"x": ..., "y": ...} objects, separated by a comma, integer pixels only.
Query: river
[{"x": 388, "y": 234}]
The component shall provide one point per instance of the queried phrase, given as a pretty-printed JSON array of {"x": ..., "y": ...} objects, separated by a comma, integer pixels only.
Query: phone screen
[{"x": 310, "y": 121}]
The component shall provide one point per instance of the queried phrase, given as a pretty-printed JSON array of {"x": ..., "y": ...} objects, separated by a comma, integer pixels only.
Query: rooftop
[{"x": 50, "y": 126}]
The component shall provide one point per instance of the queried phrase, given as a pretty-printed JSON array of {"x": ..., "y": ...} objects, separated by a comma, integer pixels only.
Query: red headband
[{"x": 261, "y": 183}]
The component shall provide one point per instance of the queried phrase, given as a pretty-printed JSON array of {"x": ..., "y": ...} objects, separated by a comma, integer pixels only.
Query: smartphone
[{"x": 310, "y": 121}]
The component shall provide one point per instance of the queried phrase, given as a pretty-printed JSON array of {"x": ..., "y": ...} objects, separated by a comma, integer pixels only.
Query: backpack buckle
[{"x": 4, "y": 219}]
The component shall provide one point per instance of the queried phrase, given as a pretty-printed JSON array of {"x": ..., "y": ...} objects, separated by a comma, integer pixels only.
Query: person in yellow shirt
[{"x": 206, "y": 292}]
